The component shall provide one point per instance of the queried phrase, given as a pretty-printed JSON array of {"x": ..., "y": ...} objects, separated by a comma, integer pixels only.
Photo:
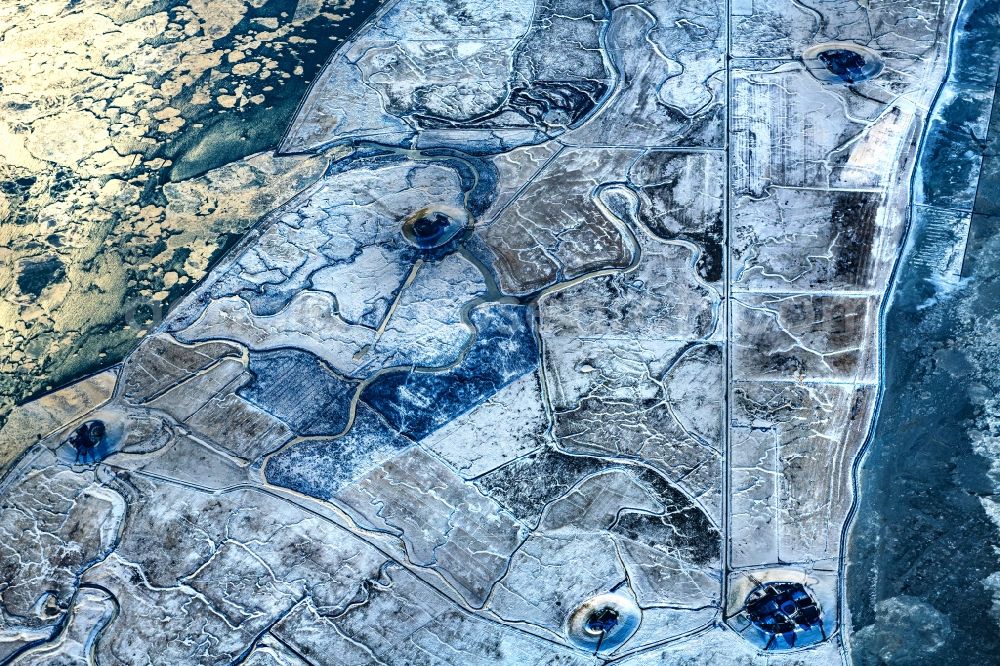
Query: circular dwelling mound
[
  {"x": 842, "y": 62},
  {"x": 785, "y": 615},
  {"x": 434, "y": 226},
  {"x": 603, "y": 622},
  {"x": 102, "y": 434}
]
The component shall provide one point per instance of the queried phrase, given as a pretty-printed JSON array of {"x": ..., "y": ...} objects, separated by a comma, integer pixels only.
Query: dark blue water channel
[{"x": 921, "y": 580}]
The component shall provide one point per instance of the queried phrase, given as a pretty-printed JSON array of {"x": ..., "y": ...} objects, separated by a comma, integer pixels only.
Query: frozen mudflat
[{"x": 564, "y": 357}]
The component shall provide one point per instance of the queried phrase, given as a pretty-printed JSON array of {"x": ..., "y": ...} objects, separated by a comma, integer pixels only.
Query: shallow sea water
[{"x": 923, "y": 579}]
